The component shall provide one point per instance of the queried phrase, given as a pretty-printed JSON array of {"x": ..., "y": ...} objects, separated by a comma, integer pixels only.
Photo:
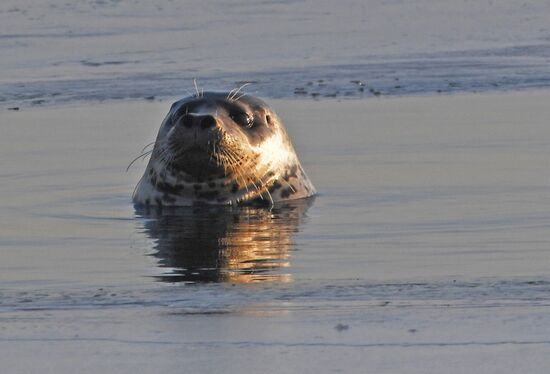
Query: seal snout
[
  {"x": 193, "y": 130},
  {"x": 198, "y": 121}
]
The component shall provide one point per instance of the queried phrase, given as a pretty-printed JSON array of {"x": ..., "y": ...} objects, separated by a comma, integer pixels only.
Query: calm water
[
  {"x": 416, "y": 197},
  {"x": 55, "y": 51},
  {"x": 431, "y": 211},
  {"x": 426, "y": 250}
]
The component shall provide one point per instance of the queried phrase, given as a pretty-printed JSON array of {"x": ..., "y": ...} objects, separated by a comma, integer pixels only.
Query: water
[
  {"x": 429, "y": 237},
  {"x": 55, "y": 51},
  {"x": 426, "y": 248}
]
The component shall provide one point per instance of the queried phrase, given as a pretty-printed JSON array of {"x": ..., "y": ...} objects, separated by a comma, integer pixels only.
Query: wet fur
[{"x": 232, "y": 163}]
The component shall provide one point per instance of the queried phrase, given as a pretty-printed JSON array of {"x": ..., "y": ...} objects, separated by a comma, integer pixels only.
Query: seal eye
[{"x": 242, "y": 119}]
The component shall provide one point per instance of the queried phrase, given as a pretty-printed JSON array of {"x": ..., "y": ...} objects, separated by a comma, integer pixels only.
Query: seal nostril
[
  {"x": 187, "y": 120},
  {"x": 207, "y": 122}
]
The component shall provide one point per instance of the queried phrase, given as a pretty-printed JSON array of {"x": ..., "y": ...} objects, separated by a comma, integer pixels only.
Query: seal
[{"x": 221, "y": 149}]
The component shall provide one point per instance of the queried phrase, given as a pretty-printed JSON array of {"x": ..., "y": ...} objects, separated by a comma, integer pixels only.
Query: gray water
[
  {"x": 429, "y": 237},
  {"x": 426, "y": 250},
  {"x": 423, "y": 202},
  {"x": 54, "y": 51}
]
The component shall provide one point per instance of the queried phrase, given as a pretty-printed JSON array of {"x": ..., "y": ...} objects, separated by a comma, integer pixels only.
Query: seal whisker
[
  {"x": 232, "y": 97},
  {"x": 254, "y": 184},
  {"x": 162, "y": 156},
  {"x": 240, "y": 96},
  {"x": 221, "y": 156},
  {"x": 289, "y": 185},
  {"x": 234, "y": 165},
  {"x": 196, "y": 88},
  {"x": 150, "y": 144},
  {"x": 244, "y": 181},
  {"x": 170, "y": 158},
  {"x": 264, "y": 188},
  {"x": 138, "y": 157},
  {"x": 233, "y": 161},
  {"x": 228, "y": 97}
]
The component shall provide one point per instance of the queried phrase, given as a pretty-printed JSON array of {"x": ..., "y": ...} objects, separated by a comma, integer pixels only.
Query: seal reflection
[{"x": 224, "y": 244}]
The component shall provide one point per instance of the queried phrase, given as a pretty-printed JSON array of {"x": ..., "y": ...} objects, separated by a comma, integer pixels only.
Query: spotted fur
[{"x": 218, "y": 149}]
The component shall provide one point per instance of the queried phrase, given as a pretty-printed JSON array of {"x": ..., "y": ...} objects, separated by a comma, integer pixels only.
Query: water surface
[
  {"x": 429, "y": 238},
  {"x": 54, "y": 51}
]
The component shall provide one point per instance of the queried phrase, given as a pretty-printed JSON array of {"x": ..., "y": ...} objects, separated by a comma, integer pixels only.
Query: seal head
[{"x": 216, "y": 149}]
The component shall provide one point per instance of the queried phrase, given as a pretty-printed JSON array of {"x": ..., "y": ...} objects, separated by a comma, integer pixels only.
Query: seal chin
[{"x": 196, "y": 162}]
